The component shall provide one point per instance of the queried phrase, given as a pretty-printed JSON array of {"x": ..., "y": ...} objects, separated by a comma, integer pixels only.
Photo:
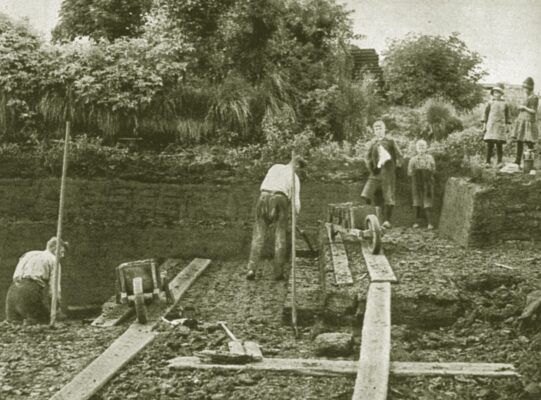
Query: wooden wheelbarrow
[
  {"x": 140, "y": 283},
  {"x": 359, "y": 220}
]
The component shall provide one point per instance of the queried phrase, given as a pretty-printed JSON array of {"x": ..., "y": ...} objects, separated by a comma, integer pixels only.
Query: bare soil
[{"x": 37, "y": 361}]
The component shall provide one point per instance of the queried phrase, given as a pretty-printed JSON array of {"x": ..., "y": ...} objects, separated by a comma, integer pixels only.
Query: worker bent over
[
  {"x": 271, "y": 212},
  {"x": 29, "y": 296}
]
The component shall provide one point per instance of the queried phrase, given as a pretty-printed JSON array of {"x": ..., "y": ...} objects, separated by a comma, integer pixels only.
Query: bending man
[
  {"x": 271, "y": 212},
  {"x": 29, "y": 296}
]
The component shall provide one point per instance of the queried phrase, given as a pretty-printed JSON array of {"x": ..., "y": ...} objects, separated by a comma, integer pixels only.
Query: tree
[
  {"x": 110, "y": 19},
  {"x": 22, "y": 61},
  {"x": 422, "y": 66}
]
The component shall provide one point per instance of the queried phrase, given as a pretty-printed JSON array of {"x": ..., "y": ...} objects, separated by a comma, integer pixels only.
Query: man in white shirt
[
  {"x": 272, "y": 209},
  {"x": 29, "y": 296}
]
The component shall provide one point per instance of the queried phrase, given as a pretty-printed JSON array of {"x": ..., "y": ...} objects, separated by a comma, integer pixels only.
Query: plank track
[
  {"x": 375, "y": 360},
  {"x": 324, "y": 367},
  {"x": 340, "y": 262},
  {"x": 132, "y": 341},
  {"x": 378, "y": 266}
]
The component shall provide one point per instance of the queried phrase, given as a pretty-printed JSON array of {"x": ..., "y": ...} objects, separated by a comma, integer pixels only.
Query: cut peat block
[{"x": 425, "y": 296}]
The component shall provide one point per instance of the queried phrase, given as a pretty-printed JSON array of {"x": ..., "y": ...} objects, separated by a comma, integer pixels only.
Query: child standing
[
  {"x": 496, "y": 124},
  {"x": 383, "y": 157},
  {"x": 526, "y": 126},
  {"x": 421, "y": 168}
]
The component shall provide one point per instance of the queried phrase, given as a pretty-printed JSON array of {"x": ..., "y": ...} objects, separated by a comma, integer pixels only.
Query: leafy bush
[
  {"x": 441, "y": 119},
  {"x": 404, "y": 121},
  {"x": 458, "y": 149},
  {"x": 420, "y": 67}
]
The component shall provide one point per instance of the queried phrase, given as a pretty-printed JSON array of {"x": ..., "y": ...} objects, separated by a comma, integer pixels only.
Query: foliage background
[{"x": 229, "y": 86}]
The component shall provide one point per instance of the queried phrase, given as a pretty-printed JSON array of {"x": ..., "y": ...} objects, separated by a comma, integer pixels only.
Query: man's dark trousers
[
  {"x": 271, "y": 213},
  {"x": 27, "y": 300}
]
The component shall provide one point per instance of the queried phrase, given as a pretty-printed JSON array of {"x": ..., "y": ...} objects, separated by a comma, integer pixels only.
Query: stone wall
[{"x": 504, "y": 208}]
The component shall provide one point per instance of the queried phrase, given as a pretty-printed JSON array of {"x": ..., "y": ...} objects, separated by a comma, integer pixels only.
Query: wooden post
[
  {"x": 56, "y": 278},
  {"x": 293, "y": 252}
]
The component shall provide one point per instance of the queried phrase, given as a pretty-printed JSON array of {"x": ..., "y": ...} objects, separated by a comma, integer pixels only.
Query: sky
[{"x": 507, "y": 33}]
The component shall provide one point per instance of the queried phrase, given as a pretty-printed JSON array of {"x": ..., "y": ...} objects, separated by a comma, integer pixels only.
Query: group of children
[
  {"x": 384, "y": 156},
  {"x": 497, "y": 122}
]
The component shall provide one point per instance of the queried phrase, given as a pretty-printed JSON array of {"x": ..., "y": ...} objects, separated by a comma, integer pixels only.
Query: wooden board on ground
[
  {"x": 453, "y": 368},
  {"x": 375, "y": 359},
  {"x": 378, "y": 266},
  {"x": 342, "y": 272},
  {"x": 132, "y": 341},
  {"x": 113, "y": 314},
  {"x": 324, "y": 367},
  {"x": 184, "y": 280}
]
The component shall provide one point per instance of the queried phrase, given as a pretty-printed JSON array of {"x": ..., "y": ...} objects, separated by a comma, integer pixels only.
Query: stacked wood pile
[{"x": 366, "y": 60}]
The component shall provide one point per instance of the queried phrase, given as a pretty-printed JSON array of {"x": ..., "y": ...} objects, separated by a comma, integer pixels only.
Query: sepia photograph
[{"x": 270, "y": 200}]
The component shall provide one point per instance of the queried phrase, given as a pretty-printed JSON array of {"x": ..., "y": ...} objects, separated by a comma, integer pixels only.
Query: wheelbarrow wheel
[
  {"x": 139, "y": 300},
  {"x": 372, "y": 224}
]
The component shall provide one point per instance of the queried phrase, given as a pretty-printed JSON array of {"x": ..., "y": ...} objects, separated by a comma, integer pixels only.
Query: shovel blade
[
  {"x": 253, "y": 350},
  {"x": 236, "y": 347}
]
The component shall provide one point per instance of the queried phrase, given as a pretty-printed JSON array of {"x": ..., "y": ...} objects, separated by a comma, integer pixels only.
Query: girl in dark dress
[{"x": 526, "y": 125}]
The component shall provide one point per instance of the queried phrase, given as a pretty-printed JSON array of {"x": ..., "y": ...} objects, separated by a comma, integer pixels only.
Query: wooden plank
[
  {"x": 132, "y": 341},
  {"x": 375, "y": 359},
  {"x": 184, "y": 280},
  {"x": 453, "y": 368},
  {"x": 253, "y": 350},
  {"x": 103, "y": 368},
  {"x": 378, "y": 266},
  {"x": 340, "y": 262},
  {"x": 324, "y": 367},
  {"x": 113, "y": 314}
]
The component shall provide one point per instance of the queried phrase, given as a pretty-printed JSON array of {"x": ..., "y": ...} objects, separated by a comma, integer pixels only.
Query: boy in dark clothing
[{"x": 383, "y": 157}]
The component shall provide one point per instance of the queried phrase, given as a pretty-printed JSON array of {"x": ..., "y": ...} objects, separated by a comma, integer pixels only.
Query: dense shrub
[
  {"x": 458, "y": 149},
  {"x": 405, "y": 121},
  {"x": 441, "y": 119},
  {"x": 420, "y": 67}
]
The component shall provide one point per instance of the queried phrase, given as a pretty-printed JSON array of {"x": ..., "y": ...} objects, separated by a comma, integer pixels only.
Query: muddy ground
[{"x": 36, "y": 361}]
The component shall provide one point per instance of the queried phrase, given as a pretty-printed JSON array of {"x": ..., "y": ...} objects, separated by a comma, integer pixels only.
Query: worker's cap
[
  {"x": 498, "y": 88},
  {"x": 52, "y": 243},
  {"x": 528, "y": 83}
]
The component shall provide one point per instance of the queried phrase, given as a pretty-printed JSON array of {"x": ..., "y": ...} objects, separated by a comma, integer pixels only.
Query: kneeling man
[{"x": 29, "y": 296}]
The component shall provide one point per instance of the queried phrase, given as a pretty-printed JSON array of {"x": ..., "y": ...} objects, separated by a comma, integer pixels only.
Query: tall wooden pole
[
  {"x": 293, "y": 250},
  {"x": 55, "y": 281}
]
